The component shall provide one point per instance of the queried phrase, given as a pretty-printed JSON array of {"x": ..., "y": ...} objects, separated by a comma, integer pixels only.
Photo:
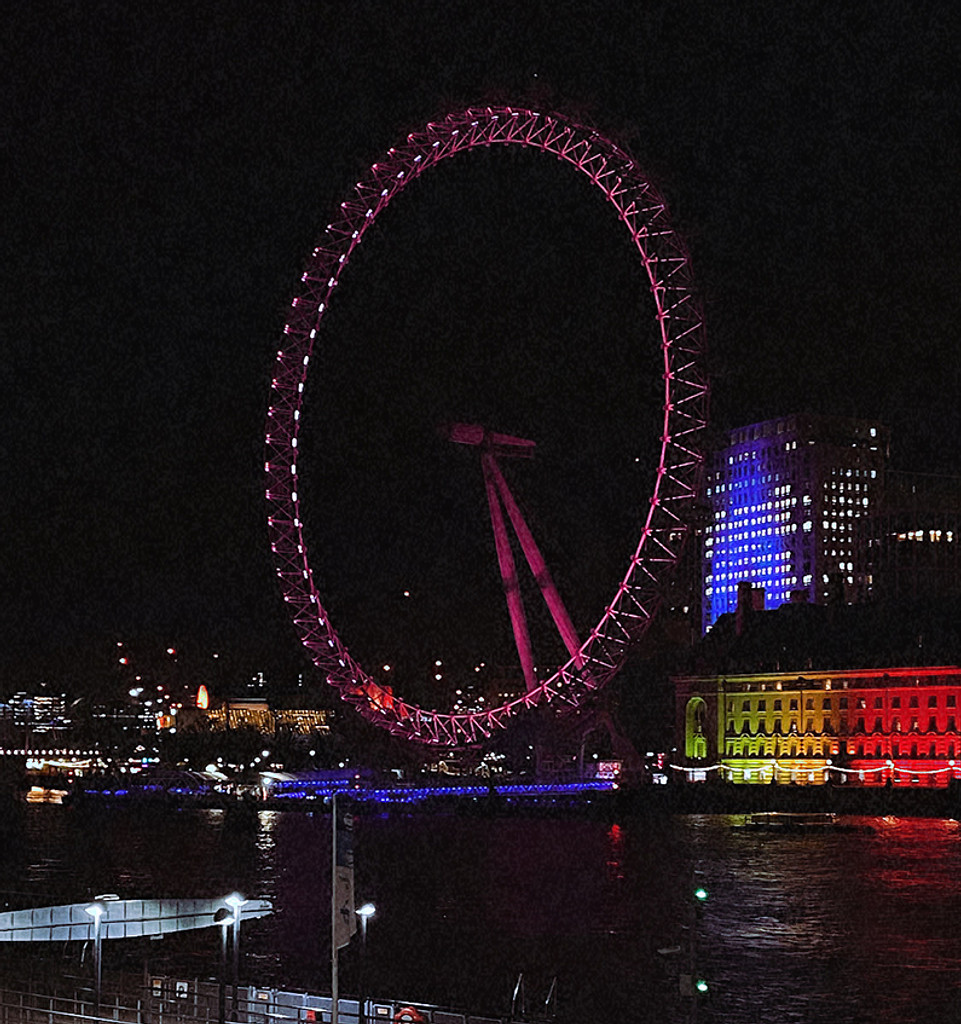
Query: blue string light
[{"x": 296, "y": 789}]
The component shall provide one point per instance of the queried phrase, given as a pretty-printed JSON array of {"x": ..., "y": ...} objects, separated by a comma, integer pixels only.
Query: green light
[
  {"x": 700, "y": 894},
  {"x": 701, "y": 985}
]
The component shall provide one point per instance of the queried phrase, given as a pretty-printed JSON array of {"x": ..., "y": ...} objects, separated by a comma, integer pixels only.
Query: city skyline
[{"x": 173, "y": 176}]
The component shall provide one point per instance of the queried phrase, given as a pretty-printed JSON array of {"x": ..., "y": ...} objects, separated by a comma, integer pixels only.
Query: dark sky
[{"x": 170, "y": 167}]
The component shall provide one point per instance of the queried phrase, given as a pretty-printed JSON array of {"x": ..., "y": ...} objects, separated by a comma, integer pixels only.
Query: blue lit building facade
[{"x": 787, "y": 497}]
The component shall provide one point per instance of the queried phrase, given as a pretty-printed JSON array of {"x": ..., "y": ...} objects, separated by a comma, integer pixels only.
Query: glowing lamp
[
  {"x": 235, "y": 900},
  {"x": 203, "y": 700}
]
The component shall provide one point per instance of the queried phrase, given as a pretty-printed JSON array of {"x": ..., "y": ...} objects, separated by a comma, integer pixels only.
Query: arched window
[{"x": 695, "y": 740}]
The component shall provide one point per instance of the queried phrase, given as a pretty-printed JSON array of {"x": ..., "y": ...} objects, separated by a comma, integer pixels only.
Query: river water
[{"x": 835, "y": 927}]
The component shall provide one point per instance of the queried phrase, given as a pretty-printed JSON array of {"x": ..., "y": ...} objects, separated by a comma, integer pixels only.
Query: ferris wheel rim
[{"x": 630, "y": 613}]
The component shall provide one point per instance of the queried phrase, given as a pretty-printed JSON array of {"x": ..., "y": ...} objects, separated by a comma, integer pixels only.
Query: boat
[
  {"x": 783, "y": 822},
  {"x": 45, "y": 795}
]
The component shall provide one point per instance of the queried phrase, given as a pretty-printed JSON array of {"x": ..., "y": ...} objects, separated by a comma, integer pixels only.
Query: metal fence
[{"x": 167, "y": 1000}]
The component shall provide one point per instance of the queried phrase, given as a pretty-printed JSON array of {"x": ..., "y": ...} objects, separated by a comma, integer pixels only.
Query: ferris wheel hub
[{"x": 501, "y": 444}]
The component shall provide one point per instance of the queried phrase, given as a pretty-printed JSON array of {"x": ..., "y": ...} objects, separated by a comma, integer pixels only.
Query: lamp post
[
  {"x": 365, "y": 912},
  {"x": 235, "y": 901},
  {"x": 225, "y": 919},
  {"x": 96, "y": 911}
]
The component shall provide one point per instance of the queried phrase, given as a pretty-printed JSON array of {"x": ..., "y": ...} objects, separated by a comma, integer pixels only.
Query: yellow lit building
[
  {"x": 257, "y": 714},
  {"x": 897, "y": 726}
]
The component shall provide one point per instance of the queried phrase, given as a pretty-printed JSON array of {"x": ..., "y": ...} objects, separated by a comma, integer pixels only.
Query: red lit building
[{"x": 868, "y": 727}]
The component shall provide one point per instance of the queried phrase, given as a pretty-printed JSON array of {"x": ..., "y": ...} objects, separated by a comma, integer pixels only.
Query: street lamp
[
  {"x": 96, "y": 911},
  {"x": 365, "y": 912},
  {"x": 225, "y": 919},
  {"x": 235, "y": 901}
]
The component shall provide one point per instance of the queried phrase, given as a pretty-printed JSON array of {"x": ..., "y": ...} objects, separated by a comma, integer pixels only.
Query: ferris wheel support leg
[
  {"x": 505, "y": 561},
  {"x": 538, "y": 567}
]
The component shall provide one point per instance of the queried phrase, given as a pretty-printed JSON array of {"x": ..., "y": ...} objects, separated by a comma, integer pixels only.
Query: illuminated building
[
  {"x": 785, "y": 498},
  {"x": 866, "y": 727},
  {"x": 42, "y": 712},
  {"x": 253, "y": 713},
  {"x": 125, "y": 717}
]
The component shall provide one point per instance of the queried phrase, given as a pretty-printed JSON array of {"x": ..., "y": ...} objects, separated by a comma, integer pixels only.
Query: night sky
[{"x": 170, "y": 168}]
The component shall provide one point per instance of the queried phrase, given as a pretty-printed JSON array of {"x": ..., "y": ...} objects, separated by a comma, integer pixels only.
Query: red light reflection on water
[{"x": 615, "y": 852}]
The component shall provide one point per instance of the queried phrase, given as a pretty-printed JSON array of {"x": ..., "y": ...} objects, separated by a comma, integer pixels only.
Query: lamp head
[
  {"x": 235, "y": 900},
  {"x": 366, "y": 911}
]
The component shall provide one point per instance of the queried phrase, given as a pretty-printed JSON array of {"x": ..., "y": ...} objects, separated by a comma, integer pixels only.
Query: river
[{"x": 839, "y": 927}]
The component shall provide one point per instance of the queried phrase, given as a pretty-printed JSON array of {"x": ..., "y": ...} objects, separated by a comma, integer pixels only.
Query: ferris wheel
[{"x": 593, "y": 661}]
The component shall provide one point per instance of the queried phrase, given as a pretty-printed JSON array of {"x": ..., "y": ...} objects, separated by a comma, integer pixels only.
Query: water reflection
[{"x": 840, "y": 927}]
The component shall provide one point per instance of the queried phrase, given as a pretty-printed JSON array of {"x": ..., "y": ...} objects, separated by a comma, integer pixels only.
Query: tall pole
[
  {"x": 222, "y": 1005},
  {"x": 224, "y": 919},
  {"x": 363, "y": 969},
  {"x": 236, "y": 956},
  {"x": 333, "y": 909},
  {"x": 364, "y": 912},
  {"x": 96, "y": 912},
  {"x": 97, "y": 959},
  {"x": 235, "y": 901}
]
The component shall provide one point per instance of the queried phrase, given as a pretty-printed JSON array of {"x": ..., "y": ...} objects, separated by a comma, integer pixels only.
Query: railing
[{"x": 166, "y": 1000}]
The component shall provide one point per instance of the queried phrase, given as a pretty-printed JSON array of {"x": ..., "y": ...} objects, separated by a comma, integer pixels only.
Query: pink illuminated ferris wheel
[{"x": 594, "y": 660}]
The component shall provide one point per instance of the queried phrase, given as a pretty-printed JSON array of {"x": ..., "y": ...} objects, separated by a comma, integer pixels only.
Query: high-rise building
[
  {"x": 913, "y": 538},
  {"x": 785, "y": 498}
]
